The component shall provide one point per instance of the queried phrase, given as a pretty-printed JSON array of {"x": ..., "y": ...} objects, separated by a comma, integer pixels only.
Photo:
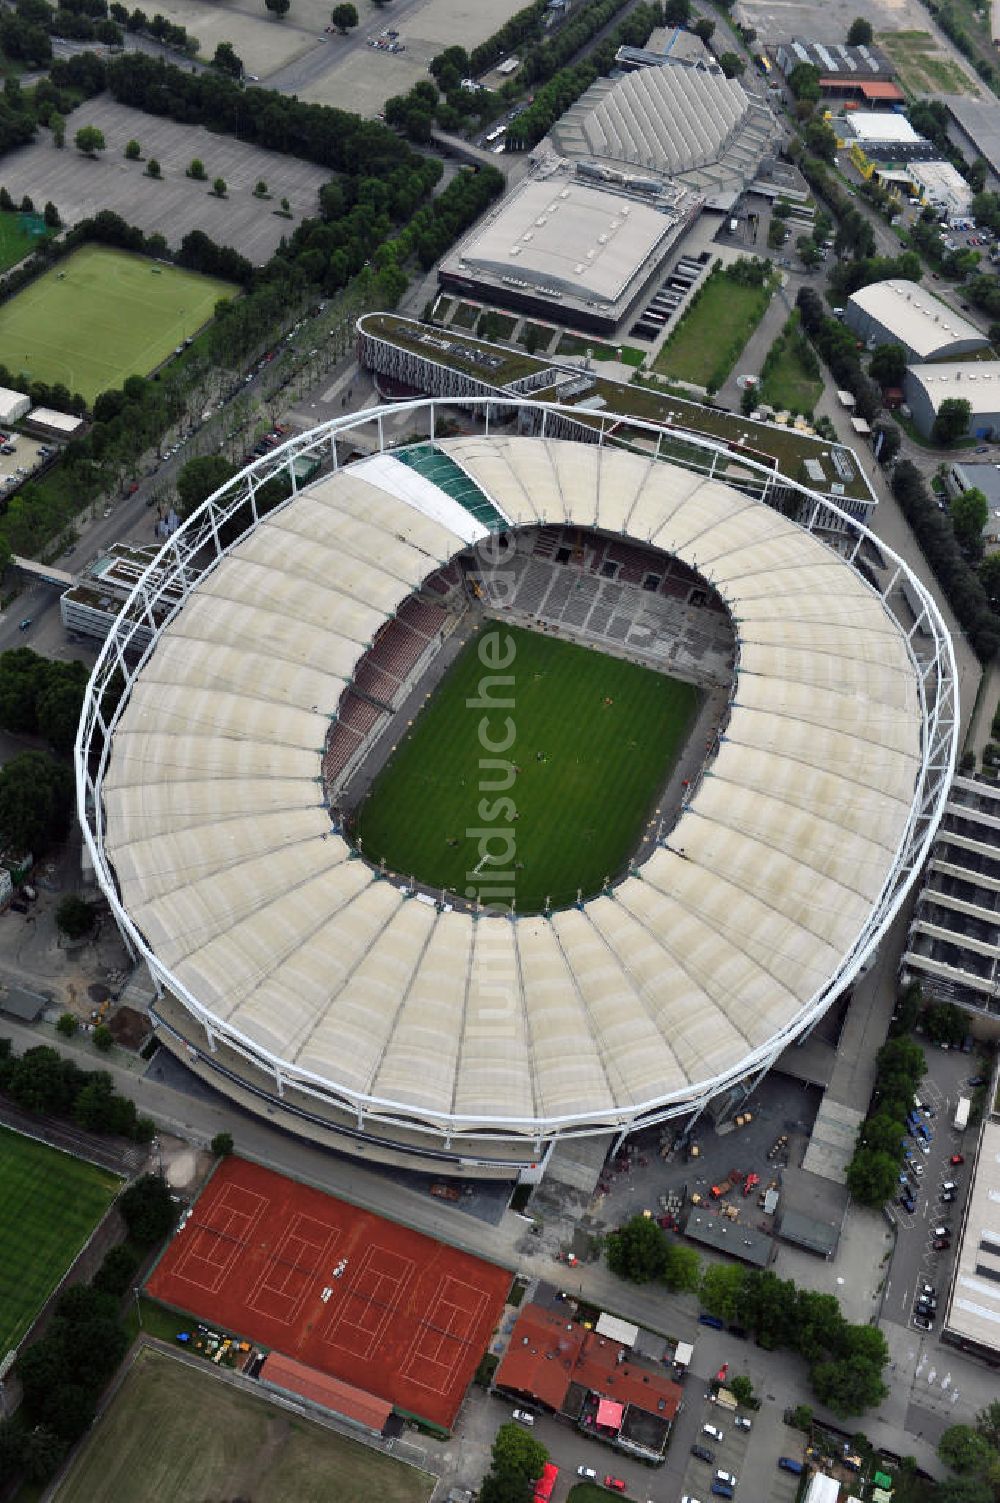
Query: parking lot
[
  {"x": 916, "y": 1260},
  {"x": 727, "y": 1454},
  {"x": 27, "y": 456}
]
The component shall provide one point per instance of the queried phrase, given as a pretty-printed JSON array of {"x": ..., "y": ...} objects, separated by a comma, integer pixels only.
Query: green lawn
[
  {"x": 595, "y": 739},
  {"x": 711, "y": 335},
  {"x": 174, "y": 1434},
  {"x": 101, "y": 315},
  {"x": 787, "y": 381},
  {"x": 15, "y": 241},
  {"x": 572, "y": 344},
  {"x": 50, "y": 1205}
]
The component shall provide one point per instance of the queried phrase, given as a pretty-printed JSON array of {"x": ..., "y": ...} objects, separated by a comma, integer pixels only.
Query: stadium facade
[{"x": 350, "y": 1004}]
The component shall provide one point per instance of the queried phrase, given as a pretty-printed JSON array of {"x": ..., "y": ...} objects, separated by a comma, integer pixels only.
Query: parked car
[
  {"x": 917, "y": 1169},
  {"x": 524, "y": 1417},
  {"x": 789, "y": 1464},
  {"x": 976, "y": 1080},
  {"x": 924, "y": 1147},
  {"x": 957, "y": 1158},
  {"x": 712, "y": 1431},
  {"x": 942, "y": 1231},
  {"x": 726, "y": 1477},
  {"x": 587, "y": 1471},
  {"x": 908, "y": 1203},
  {"x": 926, "y": 1302},
  {"x": 711, "y": 1320},
  {"x": 615, "y": 1483},
  {"x": 940, "y": 1244},
  {"x": 742, "y": 1422},
  {"x": 926, "y": 1288},
  {"x": 23, "y": 625},
  {"x": 946, "y": 1196},
  {"x": 922, "y": 1323},
  {"x": 703, "y": 1453}
]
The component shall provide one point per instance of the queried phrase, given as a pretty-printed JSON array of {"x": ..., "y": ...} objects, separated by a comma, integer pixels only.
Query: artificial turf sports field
[
  {"x": 101, "y": 315},
  {"x": 595, "y": 740},
  {"x": 49, "y": 1205},
  {"x": 173, "y": 1434}
]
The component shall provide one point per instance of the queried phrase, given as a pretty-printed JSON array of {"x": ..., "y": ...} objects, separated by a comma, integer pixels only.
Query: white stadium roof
[{"x": 254, "y": 911}]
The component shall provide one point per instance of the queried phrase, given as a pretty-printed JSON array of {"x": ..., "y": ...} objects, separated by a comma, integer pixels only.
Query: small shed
[
  {"x": 684, "y": 1353},
  {"x": 617, "y": 1330}
]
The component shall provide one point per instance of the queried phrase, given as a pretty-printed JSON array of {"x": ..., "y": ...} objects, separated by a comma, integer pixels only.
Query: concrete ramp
[{"x": 831, "y": 1146}]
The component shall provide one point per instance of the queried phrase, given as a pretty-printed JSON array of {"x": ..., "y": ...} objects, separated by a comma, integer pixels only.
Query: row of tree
[
  {"x": 963, "y": 588},
  {"x": 873, "y": 1172},
  {"x": 838, "y": 348},
  {"x": 43, "y": 1082},
  {"x": 41, "y": 696}
]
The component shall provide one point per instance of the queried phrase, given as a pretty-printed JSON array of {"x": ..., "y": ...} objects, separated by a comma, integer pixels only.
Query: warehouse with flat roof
[
  {"x": 975, "y": 129},
  {"x": 904, "y": 313},
  {"x": 974, "y": 381},
  {"x": 973, "y": 1316},
  {"x": 565, "y": 250}
]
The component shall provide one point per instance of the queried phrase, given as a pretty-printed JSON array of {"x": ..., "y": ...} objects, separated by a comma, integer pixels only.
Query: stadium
[{"x": 699, "y": 743}]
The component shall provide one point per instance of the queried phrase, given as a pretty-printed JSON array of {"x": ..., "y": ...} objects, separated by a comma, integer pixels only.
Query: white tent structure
[{"x": 204, "y": 811}]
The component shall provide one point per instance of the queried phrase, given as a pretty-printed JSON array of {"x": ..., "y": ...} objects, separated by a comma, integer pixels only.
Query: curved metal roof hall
[{"x": 199, "y": 794}]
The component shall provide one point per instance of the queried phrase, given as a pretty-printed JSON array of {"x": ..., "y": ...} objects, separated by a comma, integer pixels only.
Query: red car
[
  {"x": 615, "y": 1483},
  {"x": 957, "y": 1158}
]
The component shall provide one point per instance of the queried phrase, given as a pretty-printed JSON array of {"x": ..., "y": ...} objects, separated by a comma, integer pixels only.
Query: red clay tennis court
[{"x": 338, "y": 1288}]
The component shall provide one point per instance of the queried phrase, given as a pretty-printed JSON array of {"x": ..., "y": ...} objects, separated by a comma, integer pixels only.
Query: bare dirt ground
[{"x": 176, "y": 204}]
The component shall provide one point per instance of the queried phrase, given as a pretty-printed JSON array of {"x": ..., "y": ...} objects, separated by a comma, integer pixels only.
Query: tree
[
  {"x": 515, "y": 1450},
  {"x": 199, "y": 478},
  {"x": 67, "y": 1023},
  {"x": 741, "y": 1388},
  {"x": 804, "y": 82},
  {"x": 821, "y": 140},
  {"x": 637, "y": 1250},
  {"x": 219, "y": 187},
  {"x": 152, "y": 168},
  {"x": 117, "y": 1271},
  {"x": 860, "y": 33},
  {"x": 887, "y": 440},
  {"x": 988, "y": 1423},
  {"x": 226, "y": 60},
  {"x": 103, "y": 1038},
  {"x": 969, "y": 515},
  {"x": 731, "y": 64},
  {"x": 888, "y": 365},
  {"x": 51, "y": 216},
  {"x": 196, "y": 169},
  {"x": 848, "y": 1387},
  {"x": 965, "y": 1450},
  {"x": 36, "y": 797},
  {"x": 704, "y": 29},
  {"x": 722, "y": 1290},
  {"x": 964, "y": 1490},
  {"x": 952, "y": 420},
  {"x": 41, "y": 1453},
  {"x": 872, "y": 1177},
  {"x": 57, "y": 125},
  {"x": 260, "y": 188},
  {"x": 278, "y": 8},
  {"x": 682, "y": 1272},
  {"x": 89, "y": 140},
  {"x": 74, "y": 916},
  {"x": 344, "y": 17},
  {"x": 677, "y": 12},
  {"x": 882, "y": 1133},
  {"x": 286, "y": 208},
  {"x": 222, "y": 1144},
  {"x": 148, "y": 1210}
]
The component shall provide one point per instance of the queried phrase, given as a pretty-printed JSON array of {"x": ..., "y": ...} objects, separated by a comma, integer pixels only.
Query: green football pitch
[
  {"x": 101, "y": 315},
  {"x": 49, "y": 1205},
  {"x": 16, "y": 239},
  {"x": 594, "y": 741}
]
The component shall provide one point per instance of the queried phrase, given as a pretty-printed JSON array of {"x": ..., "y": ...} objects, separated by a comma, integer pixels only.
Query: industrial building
[
  {"x": 904, "y": 313},
  {"x": 975, "y": 130},
  {"x": 569, "y": 250},
  {"x": 953, "y": 947},
  {"x": 667, "y": 44},
  {"x": 686, "y": 125},
  {"x": 873, "y": 136},
  {"x": 91, "y": 607},
  {"x": 972, "y": 1319},
  {"x": 357, "y": 1006},
  {"x": 985, "y": 478},
  {"x": 834, "y": 60},
  {"x": 976, "y": 381},
  {"x": 942, "y": 186},
  {"x": 13, "y": 405}
]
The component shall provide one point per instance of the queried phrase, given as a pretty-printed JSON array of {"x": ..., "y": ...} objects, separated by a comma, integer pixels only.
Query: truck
[
  {"x": 961, "y": 1118},
  {"x": 445, "y": 1192},
  {"x": 732, "y": 1178}
]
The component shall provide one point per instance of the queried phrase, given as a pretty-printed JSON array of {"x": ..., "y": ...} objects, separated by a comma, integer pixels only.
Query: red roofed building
[
  {"x": 354, "y": 1404},
  {"x": 878, "y": 93},
  {"x": 591, "y": 1379}
]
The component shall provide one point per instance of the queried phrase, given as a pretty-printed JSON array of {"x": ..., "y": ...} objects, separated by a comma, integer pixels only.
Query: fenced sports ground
[
  {"x": 100, "y": 315},
  {"x": 595, "y": 740},
  {"x": 173, "y": 1433},
  {"x": 340, "y": 1289},
  {"x": 50, "y": 1204}
]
